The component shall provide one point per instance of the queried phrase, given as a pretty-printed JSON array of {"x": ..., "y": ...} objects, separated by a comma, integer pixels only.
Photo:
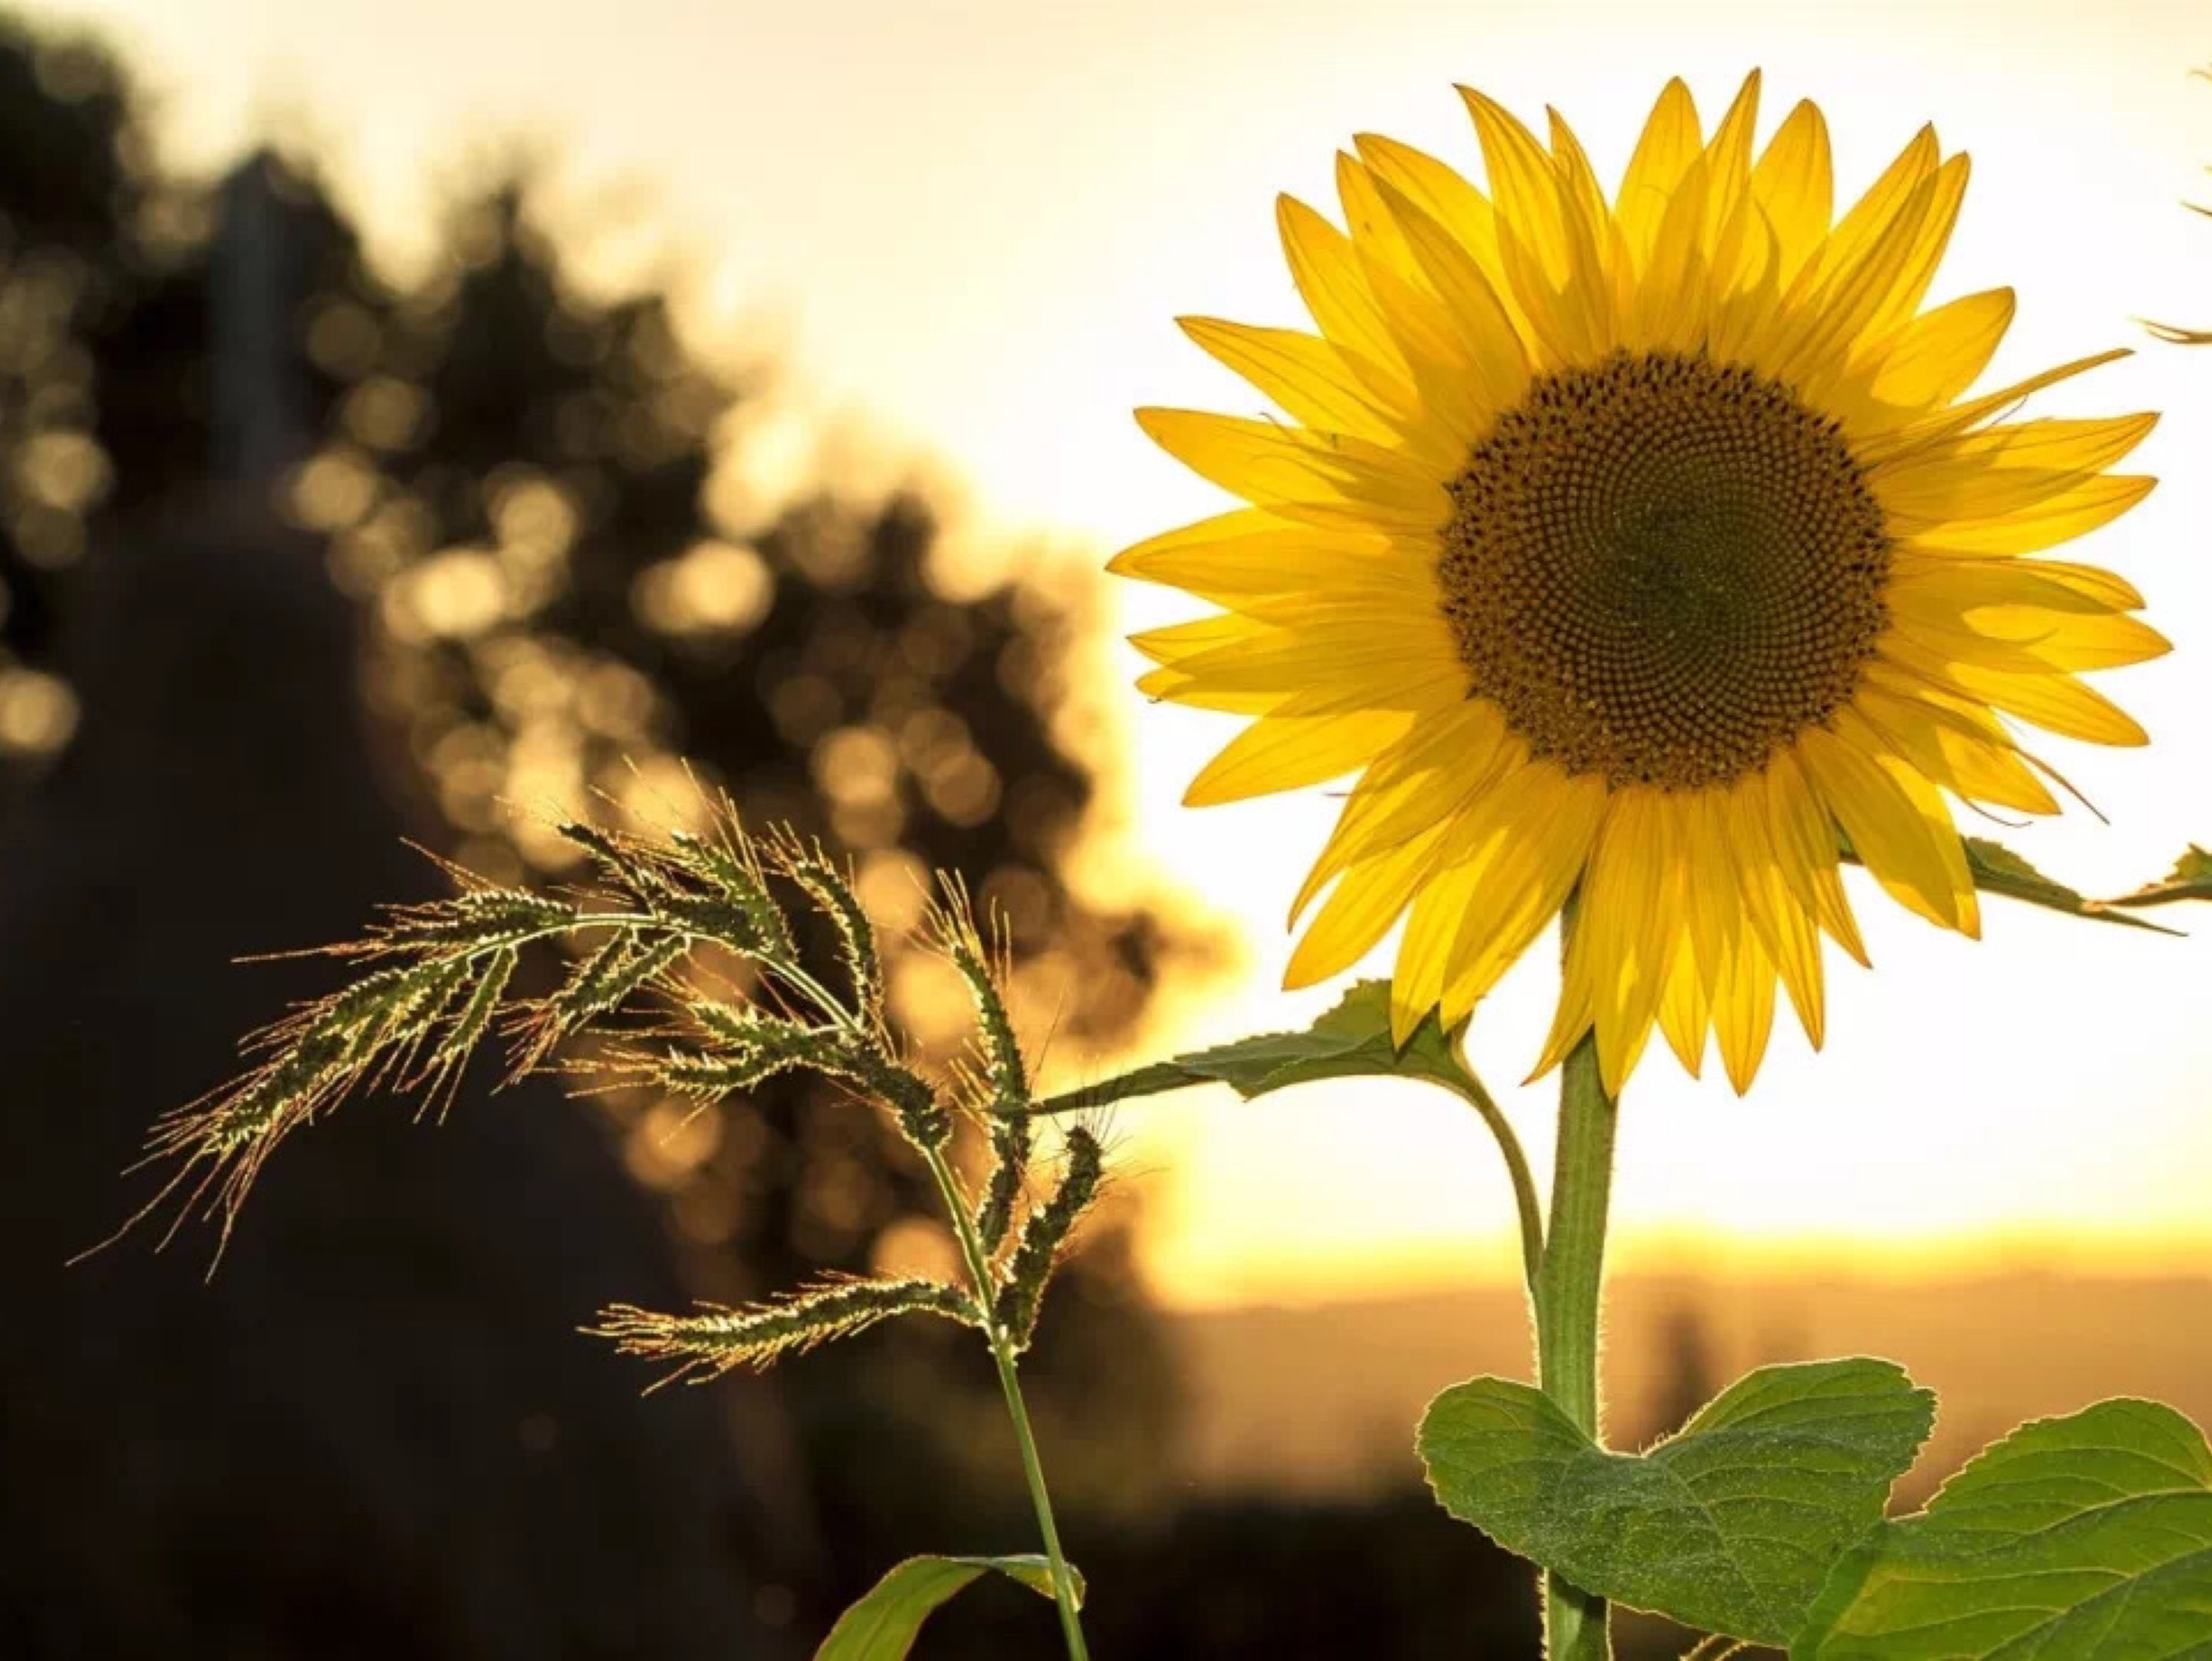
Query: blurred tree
[
  {"x": 519, "y": 488},
  {"x": 512, "y": 480},
  {"x": 69, "y": 193},
  {"x": 373, "y": 1434}
]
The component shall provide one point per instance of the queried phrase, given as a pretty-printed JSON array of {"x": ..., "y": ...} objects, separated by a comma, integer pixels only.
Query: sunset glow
[{"x": 1025, "y": 196}]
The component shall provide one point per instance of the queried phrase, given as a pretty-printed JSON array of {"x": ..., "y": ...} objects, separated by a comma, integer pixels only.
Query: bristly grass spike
[{"x": 435, "y": 984}]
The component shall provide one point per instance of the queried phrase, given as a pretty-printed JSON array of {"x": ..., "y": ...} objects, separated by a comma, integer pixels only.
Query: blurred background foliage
[{"x": 296, "y": 559}]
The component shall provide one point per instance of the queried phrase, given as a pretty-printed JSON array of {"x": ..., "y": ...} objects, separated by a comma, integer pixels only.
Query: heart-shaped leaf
[
  {"x": 883, "y": 1626},
  {"x": 1351, "y": 1039},
  {"x": 1730, "y": 1527},
  {"x": 2086, "y": 1538}
]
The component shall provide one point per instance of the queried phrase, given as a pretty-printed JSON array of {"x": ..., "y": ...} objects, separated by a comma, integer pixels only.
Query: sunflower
[{"x": 1647, "y": 551}]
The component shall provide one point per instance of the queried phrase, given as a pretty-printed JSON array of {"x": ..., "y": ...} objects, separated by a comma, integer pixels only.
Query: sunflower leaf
[
  {"x": 1997, "y": 869},
  {"x": 1352, "y": 1040},
  {"x": 883, "y": 1624},
  {"x": 1732, "y": 1526},
  {"x": 2189, "y": 879},
  {"x": 2084, "y": 1538}
]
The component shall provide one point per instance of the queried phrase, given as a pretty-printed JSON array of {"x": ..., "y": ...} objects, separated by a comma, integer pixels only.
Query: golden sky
[{"x": 973, "y": 222}]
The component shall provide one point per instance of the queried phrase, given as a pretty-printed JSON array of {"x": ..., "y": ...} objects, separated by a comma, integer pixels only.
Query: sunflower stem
[
  {"x": 1568, "y": 1290},
  {"x": 1468, "y": 1088}
]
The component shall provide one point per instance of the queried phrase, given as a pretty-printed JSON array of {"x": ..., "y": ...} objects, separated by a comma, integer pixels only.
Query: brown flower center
[{"x": 1664, "y": 569}]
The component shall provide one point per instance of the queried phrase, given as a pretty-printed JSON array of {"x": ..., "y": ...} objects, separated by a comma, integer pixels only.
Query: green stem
[
  {"x": 1568, "y": 1290},
  {"x": 1063, "y": 1582},
  {"x": 1468, "y": 1087},
  {"x": 1002, "y": 1352},
  {"x": 1002, "y": 1346}
]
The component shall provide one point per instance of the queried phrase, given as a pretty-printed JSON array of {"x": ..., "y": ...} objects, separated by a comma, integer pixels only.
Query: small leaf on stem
[
  {"x": 1352, "y": 1040},
  {"x": 882, "y": 1625}
]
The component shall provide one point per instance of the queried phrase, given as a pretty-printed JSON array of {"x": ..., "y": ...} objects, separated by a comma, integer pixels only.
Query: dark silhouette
[
  {"x": 375, "y": 1432},
  {"x": 372, "y": 1434}
]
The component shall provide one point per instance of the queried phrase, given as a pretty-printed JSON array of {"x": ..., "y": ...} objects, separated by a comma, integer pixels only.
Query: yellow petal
[
  {"x": 1670, "y": 304},
  {"x": 1374, "y": 233},
  {"x": 1728, "y": 160},
  {"x": 1786, "y": 925},
  {"x": 2022, "y": 639},
  {"x": 1895, "y": 819},
  {"x": 1804, "y": 837},
  {"x": 1930, "y": 241},
  {"x": 1417, "y": 982},
  {"x": 1439, "y": 191},
  {"x": 1949, "y": 423},
  {"x": 1671, "y": 143},
  {"x": 1975, "y": 767},
  {"x": 1175, "y": 642},
  {"x": 1485, "y": 340},
  {"x": 1425, "y": 779},
  {"x": 2002, "y": 470},
  {"x": 1521, "y": 182},
  {"x": 1544, "y": 252},
  {"x": 1815, "y": 346},
  {"x": 1627, "y": 929},
  {"x": 1743, "y": 1011},
  {"x": 1252, "y": 552},
  {"x": 1960, "y": 585},
  {"x": 1319, "y": 478},
  {"x": 1529, "y": 872},
  {"x": 1684, "y": 1010},
  {"x": 1311, "y": 379},
  {"x": 1873, "y": 214},
  {"x": 2096, "y": 587},
  {"x": 1941, "y": 352},
  {"x": 1343, "y": 666},
  {"x": 1793, "y": 186},
  {"x": 1582, "y": 197},
  {"x": 2073, "y": 511},
  {"x": 1431, "y": 341},
  {"x": 2056, "y": 703},
  {"x": 1586, "y": 224},
  {"x": 1746, "y": 301},
  {"x": 1326, "y": 271},
  {"x": 1798, "y": 958},
  {"x": 1368, "y": 900},
  {"x": 1174, "y": 687},
  {"x": 1279, "y": 753}
]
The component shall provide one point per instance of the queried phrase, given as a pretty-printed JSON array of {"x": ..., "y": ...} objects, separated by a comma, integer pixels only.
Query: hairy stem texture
[{"x": 1568, "y": 1293}]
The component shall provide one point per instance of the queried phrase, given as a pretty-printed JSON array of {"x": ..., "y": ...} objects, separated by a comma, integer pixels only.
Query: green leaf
[
  {"x": 883, "y": 1626},
  {"x": 2086, "y": 1538},
  {"x": 1730, "y": 1527},
  {"x": 1352, "y": 1040},
  {"x": 1997, "y": 869},
  {"x": 2189, "y": 879}
]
